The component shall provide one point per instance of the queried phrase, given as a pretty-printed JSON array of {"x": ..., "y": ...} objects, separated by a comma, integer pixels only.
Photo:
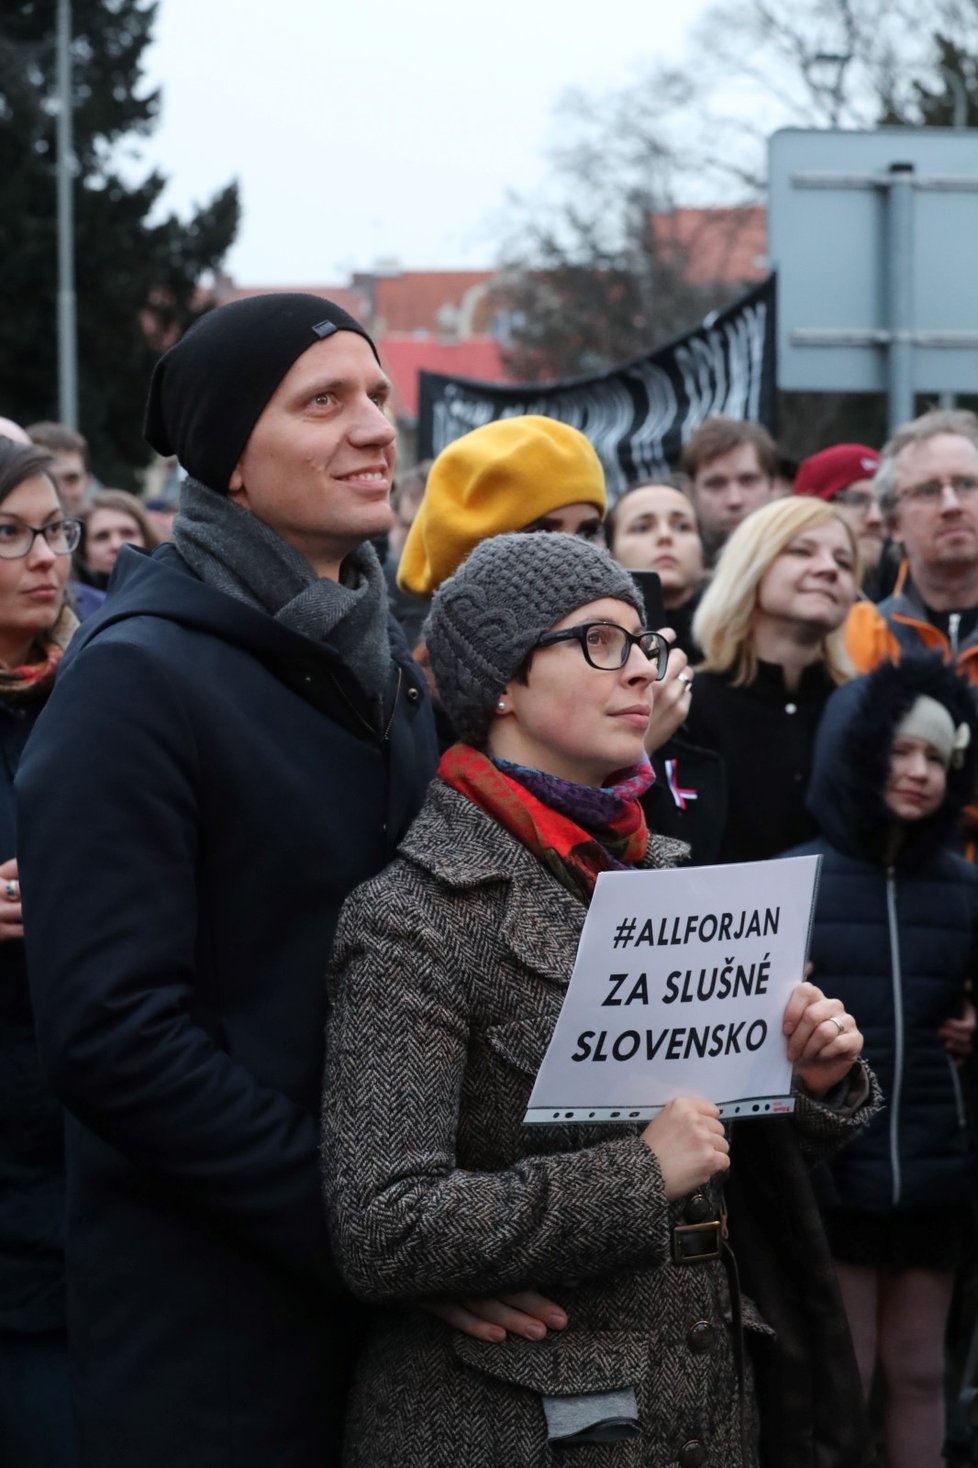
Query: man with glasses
[
  {"x": 235, "y": 741},
  {"x": 843, "y": 475},
  {"x": 927, "y": 489}
]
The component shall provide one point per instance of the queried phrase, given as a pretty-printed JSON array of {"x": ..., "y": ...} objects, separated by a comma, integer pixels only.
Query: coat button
[
  {"x": 692, "y": 1454},
  {"x": 791, "y": 708},
  {"x": 698, "y": 1209},
  {"x": 414, "y": 694},
  {"x": 701, "y": 1337}
]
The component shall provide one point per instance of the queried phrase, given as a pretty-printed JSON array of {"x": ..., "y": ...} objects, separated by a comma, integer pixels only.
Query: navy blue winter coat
[
  {"x": 895, "y": 938},
  {"x": 202, "y": 792},
  {"x": 31, "y": 1120}
]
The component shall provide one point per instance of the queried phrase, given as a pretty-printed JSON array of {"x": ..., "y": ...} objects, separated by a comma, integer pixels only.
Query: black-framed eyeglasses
[
  {"x": 606, "y": 646},
  {"x": 17, "y": 538}
]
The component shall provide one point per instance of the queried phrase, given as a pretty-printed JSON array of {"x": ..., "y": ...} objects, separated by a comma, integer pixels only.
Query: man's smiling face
[{"x": 317, "y": 466}]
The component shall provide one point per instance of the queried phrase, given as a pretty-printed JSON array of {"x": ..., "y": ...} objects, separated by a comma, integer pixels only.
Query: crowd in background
[{"x": 814, "y": 696}]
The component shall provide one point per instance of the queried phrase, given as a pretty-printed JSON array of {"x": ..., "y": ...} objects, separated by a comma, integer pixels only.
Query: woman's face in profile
[
  {"x": 31, "y": 587},
  {"x": 575, "y": 721},
  {"x": 812, "y": 580}
]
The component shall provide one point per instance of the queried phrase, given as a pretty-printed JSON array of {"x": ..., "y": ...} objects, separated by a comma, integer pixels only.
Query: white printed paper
[{"x": 679, "y": 989}]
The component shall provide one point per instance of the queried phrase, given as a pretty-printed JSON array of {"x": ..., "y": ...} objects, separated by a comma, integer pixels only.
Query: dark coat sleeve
[
  {"x": 108, "y": 814},
  {"x": 407, "y": 1221}
]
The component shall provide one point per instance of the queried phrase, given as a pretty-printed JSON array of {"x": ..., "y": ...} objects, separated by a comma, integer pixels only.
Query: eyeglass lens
[
  {"x": 932, "y": 489},
  {"x": 16, "y": 538},
  {"x": 608, "y": 646}
]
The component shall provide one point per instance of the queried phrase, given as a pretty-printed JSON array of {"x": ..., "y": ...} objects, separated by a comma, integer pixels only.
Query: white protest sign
[{"x": 679, "y": 989}]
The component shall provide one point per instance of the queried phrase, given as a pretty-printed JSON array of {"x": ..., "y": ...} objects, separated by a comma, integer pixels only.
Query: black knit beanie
[
  {"x": 487, "y": 618},
  {"x": 208, "y": 392}
]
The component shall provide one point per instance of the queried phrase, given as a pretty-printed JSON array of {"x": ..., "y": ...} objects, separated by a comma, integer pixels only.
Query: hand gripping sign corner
[{"x": 678, "y": 989}]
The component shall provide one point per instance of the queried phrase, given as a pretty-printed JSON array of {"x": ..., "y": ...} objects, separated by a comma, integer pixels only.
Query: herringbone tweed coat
[{"x": 447, "y": 977}]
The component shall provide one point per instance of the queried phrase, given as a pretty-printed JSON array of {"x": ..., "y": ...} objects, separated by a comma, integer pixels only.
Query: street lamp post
[{"x": 67, "y": 333}]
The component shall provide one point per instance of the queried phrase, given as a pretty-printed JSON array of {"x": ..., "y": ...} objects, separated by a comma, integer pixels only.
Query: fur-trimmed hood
[{"x": 852, "y": 754}]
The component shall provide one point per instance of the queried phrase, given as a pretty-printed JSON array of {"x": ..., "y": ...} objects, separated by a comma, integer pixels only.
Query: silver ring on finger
[
  {"x": 11, "y": 890},
  {"x": 686, "y": 682},
  {"x": 840, "y": 1024}
]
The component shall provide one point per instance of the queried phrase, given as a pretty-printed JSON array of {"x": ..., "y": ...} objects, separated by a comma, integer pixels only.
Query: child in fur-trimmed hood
[{"x": 896, "y": 937}]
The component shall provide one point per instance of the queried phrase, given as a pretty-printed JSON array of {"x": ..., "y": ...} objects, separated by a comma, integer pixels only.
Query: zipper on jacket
[
  {"x": 953, "y": 623},
  {"x": 381, "y": 734},
  {"x": 397, "y": 694},
  {"x": 897, "y": 979},
  {"x": 958, "y": 1093}
]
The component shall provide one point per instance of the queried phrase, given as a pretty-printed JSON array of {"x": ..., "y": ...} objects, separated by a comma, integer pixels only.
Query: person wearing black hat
[{"x": 240, "y": 738}]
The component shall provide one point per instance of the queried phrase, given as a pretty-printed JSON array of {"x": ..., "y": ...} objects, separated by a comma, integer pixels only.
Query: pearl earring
[{"x": 500, "y": 707}]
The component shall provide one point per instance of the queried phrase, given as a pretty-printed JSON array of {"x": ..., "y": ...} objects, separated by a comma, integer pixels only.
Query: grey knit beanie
[{"x": 486, "y": 619}]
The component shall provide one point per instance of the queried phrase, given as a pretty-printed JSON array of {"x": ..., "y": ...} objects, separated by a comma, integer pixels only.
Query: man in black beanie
[{"x": 236, "y": 740}]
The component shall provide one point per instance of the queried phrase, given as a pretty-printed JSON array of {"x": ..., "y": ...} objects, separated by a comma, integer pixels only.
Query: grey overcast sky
[{"x": 384, "y": 130}]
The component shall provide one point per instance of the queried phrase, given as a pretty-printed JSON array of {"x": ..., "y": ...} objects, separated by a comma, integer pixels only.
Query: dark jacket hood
[
  {"x": 852, "y": 757},
  {"x": 162, "y": 585}
]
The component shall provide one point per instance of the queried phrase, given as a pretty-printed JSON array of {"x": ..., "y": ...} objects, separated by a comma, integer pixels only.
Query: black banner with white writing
[{"x": 639, "y": 415}]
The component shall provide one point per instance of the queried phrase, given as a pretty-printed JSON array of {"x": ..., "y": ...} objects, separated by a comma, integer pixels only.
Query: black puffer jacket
[{"x": 895, "y": 938}]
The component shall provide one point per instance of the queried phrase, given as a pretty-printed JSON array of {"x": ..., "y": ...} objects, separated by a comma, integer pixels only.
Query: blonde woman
[{"x": 769, "y": 626}]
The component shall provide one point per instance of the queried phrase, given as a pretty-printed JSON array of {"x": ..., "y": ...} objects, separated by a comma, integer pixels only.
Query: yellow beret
[{"x": 496, "y": 479}]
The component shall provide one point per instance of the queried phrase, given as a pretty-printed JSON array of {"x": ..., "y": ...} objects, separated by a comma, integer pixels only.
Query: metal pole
[
  {"x": 899, "y": 261},
  {"x": 67, "y": 335},
  {"x": 956, "y": 86}
]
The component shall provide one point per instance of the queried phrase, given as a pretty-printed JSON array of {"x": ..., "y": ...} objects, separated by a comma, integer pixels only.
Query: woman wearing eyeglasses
[
  {"x": 36, "y": 542},
  {"x": 446, "y": 981}
]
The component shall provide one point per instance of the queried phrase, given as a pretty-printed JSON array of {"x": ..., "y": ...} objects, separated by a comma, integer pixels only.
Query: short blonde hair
[{"x": 724, "y": 621}]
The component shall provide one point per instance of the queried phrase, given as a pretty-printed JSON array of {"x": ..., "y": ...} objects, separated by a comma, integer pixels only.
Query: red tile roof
[
  {"x": 349, "y": 297},
  {"x": 715, "y": 245},
  {"x": 416, "y": 300},
  {"x": 403, "y": 357}
]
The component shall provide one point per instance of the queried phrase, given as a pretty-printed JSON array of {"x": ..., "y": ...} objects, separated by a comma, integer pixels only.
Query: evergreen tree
[
  {"x": 137, "y": 282},
  {"x": 950, "y": 99}
]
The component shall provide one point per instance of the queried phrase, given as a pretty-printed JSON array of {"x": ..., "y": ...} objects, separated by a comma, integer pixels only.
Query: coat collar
[{"x": 542, "y": 920}]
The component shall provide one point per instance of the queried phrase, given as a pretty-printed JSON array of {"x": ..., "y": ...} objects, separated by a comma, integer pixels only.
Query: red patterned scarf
[
  {"x": 572, "y": 853},
  {"x": 33, "y": 679}
]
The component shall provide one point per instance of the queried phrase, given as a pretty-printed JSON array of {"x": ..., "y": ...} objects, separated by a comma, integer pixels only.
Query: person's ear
[
  {"x": 504, "y": 703},
  {"x": 236, "y": 482}
]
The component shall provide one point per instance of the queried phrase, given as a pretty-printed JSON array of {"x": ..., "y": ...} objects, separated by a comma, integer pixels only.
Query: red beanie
[{"x": 825, "y": 473}]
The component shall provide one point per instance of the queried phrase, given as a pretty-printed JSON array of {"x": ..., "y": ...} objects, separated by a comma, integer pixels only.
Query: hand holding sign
[
  {"x": 823, "y": 1040},
  {"x": 690, "y": 1144}
]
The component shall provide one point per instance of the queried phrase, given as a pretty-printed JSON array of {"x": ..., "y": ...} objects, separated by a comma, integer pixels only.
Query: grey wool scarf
[{"x": 233, "y": 551}]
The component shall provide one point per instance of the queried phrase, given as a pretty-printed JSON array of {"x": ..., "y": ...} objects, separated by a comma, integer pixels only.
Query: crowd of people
[{"x": 302, "y": 805}]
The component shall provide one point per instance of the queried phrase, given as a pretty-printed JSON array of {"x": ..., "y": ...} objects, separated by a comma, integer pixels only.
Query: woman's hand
[
  {"x": 823, "y": 1040},
  {"x": 670, "y": 703},
  {"x": 525, "y": 1313},
  {"x": 689, "y": 1142},
  {"x": 11, "y": 922}
]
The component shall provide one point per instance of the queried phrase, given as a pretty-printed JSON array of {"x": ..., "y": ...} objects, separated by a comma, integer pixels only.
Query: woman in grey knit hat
[{"x": 446, "y": 981}]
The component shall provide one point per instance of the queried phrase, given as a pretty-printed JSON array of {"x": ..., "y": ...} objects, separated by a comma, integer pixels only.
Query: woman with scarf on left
[{"x": 36, "y": 1428}]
